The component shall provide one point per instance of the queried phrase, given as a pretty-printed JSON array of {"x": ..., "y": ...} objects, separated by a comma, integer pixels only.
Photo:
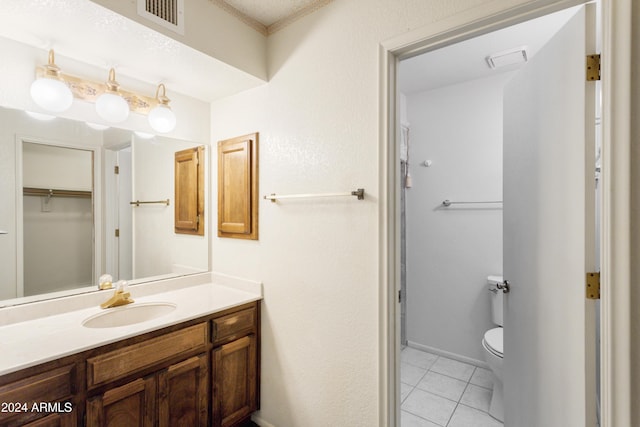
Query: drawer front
[
  {"x": 53, "y": 387},
  {"x": 227, "y": 327},
  {"x": 119, "y": 363}
]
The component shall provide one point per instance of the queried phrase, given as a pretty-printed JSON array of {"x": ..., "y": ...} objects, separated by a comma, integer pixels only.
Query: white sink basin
[{"x": 128, "y": 315}]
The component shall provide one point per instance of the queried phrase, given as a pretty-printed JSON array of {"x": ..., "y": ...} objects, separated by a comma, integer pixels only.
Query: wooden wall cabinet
[
  {"x": 189, "y": 191},
  {"x": 200, "y": 373},
  {"x": 238, "y": 187}
]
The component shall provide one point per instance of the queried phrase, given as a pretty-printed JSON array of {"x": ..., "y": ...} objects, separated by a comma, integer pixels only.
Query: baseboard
[
  {"x": 262, "y": 423},
  {"x": 454, "y": 356}
]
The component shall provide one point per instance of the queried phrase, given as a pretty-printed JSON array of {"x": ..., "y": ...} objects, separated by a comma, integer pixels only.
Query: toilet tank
[{"x": 497, "y": 297}]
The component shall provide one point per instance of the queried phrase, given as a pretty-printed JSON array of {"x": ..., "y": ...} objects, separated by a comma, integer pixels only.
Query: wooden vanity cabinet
[
  {"x": 175, "y": 396},
  {"x": 183, "y": 393},
  {"x": 204, "y": 372},
  {"x": 47, "y": 395},
  {"x": 234, "y": 381},
  {"x": 170, "y": 393},
  {"x": 235, "y": 367},
  {"x": 132, "y": 404}
]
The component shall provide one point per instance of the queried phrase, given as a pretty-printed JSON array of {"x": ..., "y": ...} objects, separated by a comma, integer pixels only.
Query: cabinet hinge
[
  {"x": 117, "y": 233},
  {"x": 593, "y": 67},
  {"x": 400, "y": 296},
  {"x": 116, "y": 170},
  {"x": 593, "y": 286}
]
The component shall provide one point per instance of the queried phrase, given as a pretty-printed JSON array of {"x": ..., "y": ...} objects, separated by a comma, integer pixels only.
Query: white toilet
[{"x": 492, "y": 343}]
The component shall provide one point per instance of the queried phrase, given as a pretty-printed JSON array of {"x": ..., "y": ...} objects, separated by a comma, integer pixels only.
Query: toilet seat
[{"x": 493, "y": 341}]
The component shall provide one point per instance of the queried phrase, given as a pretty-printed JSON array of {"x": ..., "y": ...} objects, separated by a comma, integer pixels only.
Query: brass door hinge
[
  {"x": 593, "y": 67},
  {"x": 593, "y": 286},
  {"x": 116, "y": 170},
  {"x": 117, "y": 232}
]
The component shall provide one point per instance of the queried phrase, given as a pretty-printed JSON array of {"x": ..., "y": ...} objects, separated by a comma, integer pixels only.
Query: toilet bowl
[
  {"x": 493, "y": 346},
  {"x": 492, "y": 343}
]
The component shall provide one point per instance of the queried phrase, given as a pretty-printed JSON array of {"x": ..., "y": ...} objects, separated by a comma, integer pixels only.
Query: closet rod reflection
[
  {"x": 138, "y": 202},
  {"x": 447, "y": 203}
]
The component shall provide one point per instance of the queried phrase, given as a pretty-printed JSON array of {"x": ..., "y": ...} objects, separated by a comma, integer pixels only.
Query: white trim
[
  {"x": 449, "y": 355},
  {"x": 615, "y": 237},
  {"x": 97, "y": 201},
  {"x": 19, "y": 220},
  {"x": 260, "y": 421}
]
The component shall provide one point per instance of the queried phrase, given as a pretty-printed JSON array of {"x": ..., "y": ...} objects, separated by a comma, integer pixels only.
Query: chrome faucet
[{"x": 120, "y": 297}]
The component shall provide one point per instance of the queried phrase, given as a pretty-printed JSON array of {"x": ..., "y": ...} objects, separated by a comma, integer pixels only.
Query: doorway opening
[{"x": 449, "y": 217}]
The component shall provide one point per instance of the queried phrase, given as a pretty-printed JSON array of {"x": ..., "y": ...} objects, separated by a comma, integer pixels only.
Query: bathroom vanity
[{"x": 198, "y": 365}]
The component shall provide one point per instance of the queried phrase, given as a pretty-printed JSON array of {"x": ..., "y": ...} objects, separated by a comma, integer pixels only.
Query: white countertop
[{"x": 42, "y": 339}]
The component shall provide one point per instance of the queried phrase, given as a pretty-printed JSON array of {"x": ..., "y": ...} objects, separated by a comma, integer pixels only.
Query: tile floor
[{"x": 441, "y": 392}]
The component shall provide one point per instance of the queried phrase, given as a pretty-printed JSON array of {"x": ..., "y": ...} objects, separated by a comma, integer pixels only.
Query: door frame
[
  {"x": 615, "y": 230},
  {"x": 96, "y": 201}
]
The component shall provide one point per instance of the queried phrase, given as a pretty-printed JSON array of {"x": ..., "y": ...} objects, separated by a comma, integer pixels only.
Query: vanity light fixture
[
  {"x": 111, "y": 106},
  {"x": 161, "y": 118},
  {"x": 49, "y": 91}
]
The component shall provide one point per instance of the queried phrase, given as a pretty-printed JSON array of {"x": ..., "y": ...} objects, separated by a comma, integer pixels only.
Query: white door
[{"x": 548, "y": 195}]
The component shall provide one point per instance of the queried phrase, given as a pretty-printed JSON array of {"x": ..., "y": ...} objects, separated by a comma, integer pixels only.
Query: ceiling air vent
[{"x": 167, "y": 13}]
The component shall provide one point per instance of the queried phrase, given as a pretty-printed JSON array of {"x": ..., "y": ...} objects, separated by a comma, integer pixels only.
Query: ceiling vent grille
[{"x": 167, "y": 13}]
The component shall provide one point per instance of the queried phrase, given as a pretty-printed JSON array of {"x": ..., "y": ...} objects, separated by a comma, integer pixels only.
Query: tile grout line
[{"x": 460, "y": 398}]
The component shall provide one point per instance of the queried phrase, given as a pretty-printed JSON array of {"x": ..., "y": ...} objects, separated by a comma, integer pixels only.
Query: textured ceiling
[
  {"x": 268, "y": 16},
  {"x": 149, "y": 57},
  {"x": 466, "y": 60}
]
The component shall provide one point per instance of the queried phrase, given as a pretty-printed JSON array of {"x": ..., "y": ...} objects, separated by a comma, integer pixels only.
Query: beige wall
[
  {"x": 635, "y": 218},
  {"x": 210, "y": 30},
  {"x": 318, "y": 258}
]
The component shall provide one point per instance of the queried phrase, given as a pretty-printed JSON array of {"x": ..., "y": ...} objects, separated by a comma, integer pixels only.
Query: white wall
[
  {"x": 157, "y": 249},
  {"x": 58, "y": 244},
  {"x": 318, "y": 259},
  {"x": 209, "y": 29},
  {"x": 451, "y": 251}
]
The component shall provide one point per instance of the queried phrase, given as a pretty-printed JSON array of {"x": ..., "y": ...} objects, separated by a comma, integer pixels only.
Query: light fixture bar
[{"x": 89, "y": 91}]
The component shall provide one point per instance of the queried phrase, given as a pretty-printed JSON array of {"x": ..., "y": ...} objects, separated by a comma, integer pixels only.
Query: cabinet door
[
  {"x": 234, "y": 381},
  {"x": 51, "y": 387},
  {"x": 238, "y": 187},
  {"x": 183, "y": 394},
  {"x": 130, "y": 405},
  {"x": 189, "y": 191},
  {"x": 54, "y": 420}
]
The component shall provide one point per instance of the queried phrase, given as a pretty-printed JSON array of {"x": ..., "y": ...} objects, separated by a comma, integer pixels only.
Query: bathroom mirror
[{"x": 69, "y": 210}]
